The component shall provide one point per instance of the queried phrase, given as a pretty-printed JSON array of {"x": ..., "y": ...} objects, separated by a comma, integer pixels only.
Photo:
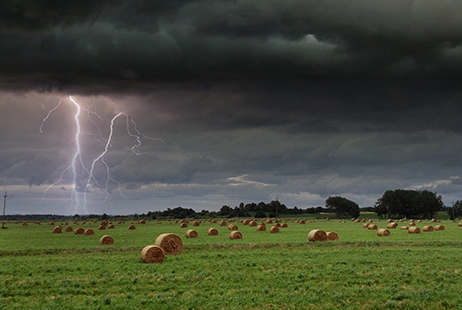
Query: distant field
[{"x": 42, "y": 270}]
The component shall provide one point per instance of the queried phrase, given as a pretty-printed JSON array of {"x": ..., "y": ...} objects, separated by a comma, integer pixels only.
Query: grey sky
[{"x": 236, "y": 101}]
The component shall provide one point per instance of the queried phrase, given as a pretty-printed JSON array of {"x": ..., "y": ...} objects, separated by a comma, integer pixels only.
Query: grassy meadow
[{"x": 42, "y": 270}]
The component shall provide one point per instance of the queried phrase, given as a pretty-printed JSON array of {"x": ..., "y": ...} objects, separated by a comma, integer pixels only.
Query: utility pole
[{"x": 4, "y": 207}]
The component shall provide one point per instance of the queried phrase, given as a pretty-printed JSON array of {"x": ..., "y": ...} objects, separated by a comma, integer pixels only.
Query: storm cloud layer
[{"x": 246, "y": 100}]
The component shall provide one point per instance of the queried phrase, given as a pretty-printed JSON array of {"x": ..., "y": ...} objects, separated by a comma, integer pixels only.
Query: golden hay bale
[
  {"x": 106, "y": 240},
  {"x": 404, "y": 228},
  {"x": 170, "y": 243},
  {"x": 79, "y": 231},
  {"x": 152, "y": 254},
  {"x": 459, "y": 224},
  {"x": 69, "y": 229},
  {"x": 284, "y": 225},
  {"x": 102, "y": 227},
  {"x": 234, "y": 235},
  {"x": 277, "y": 224},
  {"x": 261, "y": 228},
  {"x": 110, "y": 226},
  {"x": 434, "y": 220},
  {"x": 414, "y": 230},
  {"x": 89, "y": 232},
  {"x": 191, "y": 233},
  {"x": 184, "y": 221},
  {"x": 141, "y": 222},
  {"x": 392, "y": 225},
  {"x": 223, "y": 223},
  {"x": 332, "y": 235},
  {"x": 131, "y": 227},
  {"x": 428, "y": 228},
  {"x": 366, "y": 225},
  {"x": 370, "y": 221},
  {"x": 252, "y": 224},
  {"x": 372, "y": 227},
  {"x": 160, "y": 222},
  {"x": 274, "y": 229},
  {"x": 317, "y": 235},
  {"x": 411, "y": 223},
  {"x": 25, "y": 224},
  {"x": 269, "y": 221},
  {"x": 439, "y": 227},
  {"x": 383, "y": 232},
  {"x": 419, "y": 221},
  {"x": 57, "y": 230},
  {"x": 390, "y": 221},
  {"x": 302, "y": 221},
  {"x": 104, "y": 223},
  {"x": 358, "y": 220},
  {"x": 184, "y": 225},
  {"x": 232, "y": 227},
  {"x": 196, "y": 223},
  {"x": 212, "y": 232}
]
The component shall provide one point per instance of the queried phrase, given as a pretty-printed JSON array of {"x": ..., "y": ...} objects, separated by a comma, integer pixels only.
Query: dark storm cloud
[{"x": 99, "y": 46}]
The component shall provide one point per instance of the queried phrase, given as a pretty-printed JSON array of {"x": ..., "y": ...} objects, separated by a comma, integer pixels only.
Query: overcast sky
[{"x": 225, "y": 102}]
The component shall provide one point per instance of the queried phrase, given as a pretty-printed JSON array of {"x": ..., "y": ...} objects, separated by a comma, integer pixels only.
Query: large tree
[
  {"x": 400, "y": 203},
  {"x": 456, "y": 210},
  {"x": 342, "y": 206}
]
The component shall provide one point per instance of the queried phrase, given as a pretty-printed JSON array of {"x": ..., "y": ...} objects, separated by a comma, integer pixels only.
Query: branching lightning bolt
[{"x": 77, "y": 157}]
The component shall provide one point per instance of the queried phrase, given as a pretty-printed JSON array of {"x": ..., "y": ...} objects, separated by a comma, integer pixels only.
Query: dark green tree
[
  {"x": 342, "y": 206},
  {"x": 456, "y": 210}
]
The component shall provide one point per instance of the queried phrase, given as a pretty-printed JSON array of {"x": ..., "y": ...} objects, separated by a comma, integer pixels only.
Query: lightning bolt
[{"x": 77, "y": 163}]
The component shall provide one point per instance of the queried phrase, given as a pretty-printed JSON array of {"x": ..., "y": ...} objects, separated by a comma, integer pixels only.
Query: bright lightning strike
[{"x": 77, "y": 165}]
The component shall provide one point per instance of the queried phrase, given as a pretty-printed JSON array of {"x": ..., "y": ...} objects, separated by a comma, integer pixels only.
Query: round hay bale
[
  {"x": 223, "y": 223},
  {"x": 141, "y": 222},
  {"x": 269, "y": 221},
  {"x": 234, "y": 235},
  {"x": 284, "y": 225},
  {"x": 261, "y": 228},
  {"x": 69, "y": 229},
  {"x": 302, "y": 222},
  {"x": 191, "y": 233},
  {"x": 106, "y": 240},
  {"x": 170, "y": 243},
  {"x": 439, "y": 227},
  {"x": 232, "y": 227},
  {"x": 383, "y": 232},
  {"x": 404, "y": 228},
  {"x": 253, "y": 224},
  {"x": 196, "y": 223},
  {"x": 51, "y": 223},
  {"x": 428, "y": 228},
  {"x": 110, "y": 226},
  {"x": 79, "y": 231},
  {"x": 274, "y": 229},
  {"x": 277, "y": 224},
  {"x": 317, "y": 235},
  {"x": 366, "y": 225},
  {"x": 392, "y": 225},
  {"x": 411, "y": 223},
  {"x": 414, "y": 230},
  {"x": 102, "y": 227},
  {"x": 434, "y": 220},
  {"x": 25, "y": 224},
  {"x": 131, "y": 227},
  {"x": 372, "y": 227},
  {"x": 212, "y": 232},
  {"x": 459, "y": 224},
  {"x": 332, "y": 236},
  {"x": 152, "y": 254},
  {"x": 89, "y": 232},
  {"x": 184, "y": 225},
  {"x": 57, "y": 230}
]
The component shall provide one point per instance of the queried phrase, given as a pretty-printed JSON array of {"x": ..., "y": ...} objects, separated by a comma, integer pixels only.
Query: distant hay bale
[
  {"x": 274, "y": 229},
  {"x": 79, "y": 231},
  {"x": 269, "y": 221},
  {"x": 25, "y": 224},
  {"x": 51, "y": 223},
  {"x": 277, "y": 224},
  {"x": 110, "y": 226},
  {"x": 317, "y": 235},
  {"x": 232, "y": 227},
  {"x": 170, "y": 243},
  {"x": 372, "y": 227},
  {"x": 411, "y": 223},
  {"x": 234, "y": 235},
  {"x": 404, "y": 228},
  {"x": 414, "y": 230},
  {"x": 152, "y": 254},
  {"x": 89, "y": 232},
  {"x": 439, "y": 227},
  {"x": 434, "y": 220},
  {"x": 302, "y": 221},
  {"x": 459, "y": 224},
  {"x": 383, "y": 232},
  {"x": 428, "y": 228},
  {"x": 184, "y": 225},
  {"x": 184, "y": 221},
  {"x": 57, "y": 230},
  {"x": 223, "y": 223},
  {"x": 212, "y": 232},
  {"x": 392, "y": 225},
  {"x": 358, "y": 220},
  {"x": 106, "y": 240},
  {"x": 102, "y": 227},
  {"x": 191, "y": 233},
  {"x": 160, "y": 222},
  {"x": 370, "y": 221},
  {"x": 141, "y": 222},
  {"x": 252, "y": 224},
  {"x": 196, "y": 223},
  {"x": 131, "y": 227},
  {"x": 390, "y": 221},
  {"x": 284, "y": 225},
  {"x": 366, "y": 225},
  {"x": 69, "y": 229},
  {"x": 261, "y": 228},
  {"x": 332, "y": 236},
  {"x": 419, "y": 221}
]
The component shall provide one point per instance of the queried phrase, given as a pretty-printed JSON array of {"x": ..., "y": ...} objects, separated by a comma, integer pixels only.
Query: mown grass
[{"x": 41, "y": 270}]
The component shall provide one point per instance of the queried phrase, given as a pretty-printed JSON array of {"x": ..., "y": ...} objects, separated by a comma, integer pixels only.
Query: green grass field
[{"x": 42, "y": 270}]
